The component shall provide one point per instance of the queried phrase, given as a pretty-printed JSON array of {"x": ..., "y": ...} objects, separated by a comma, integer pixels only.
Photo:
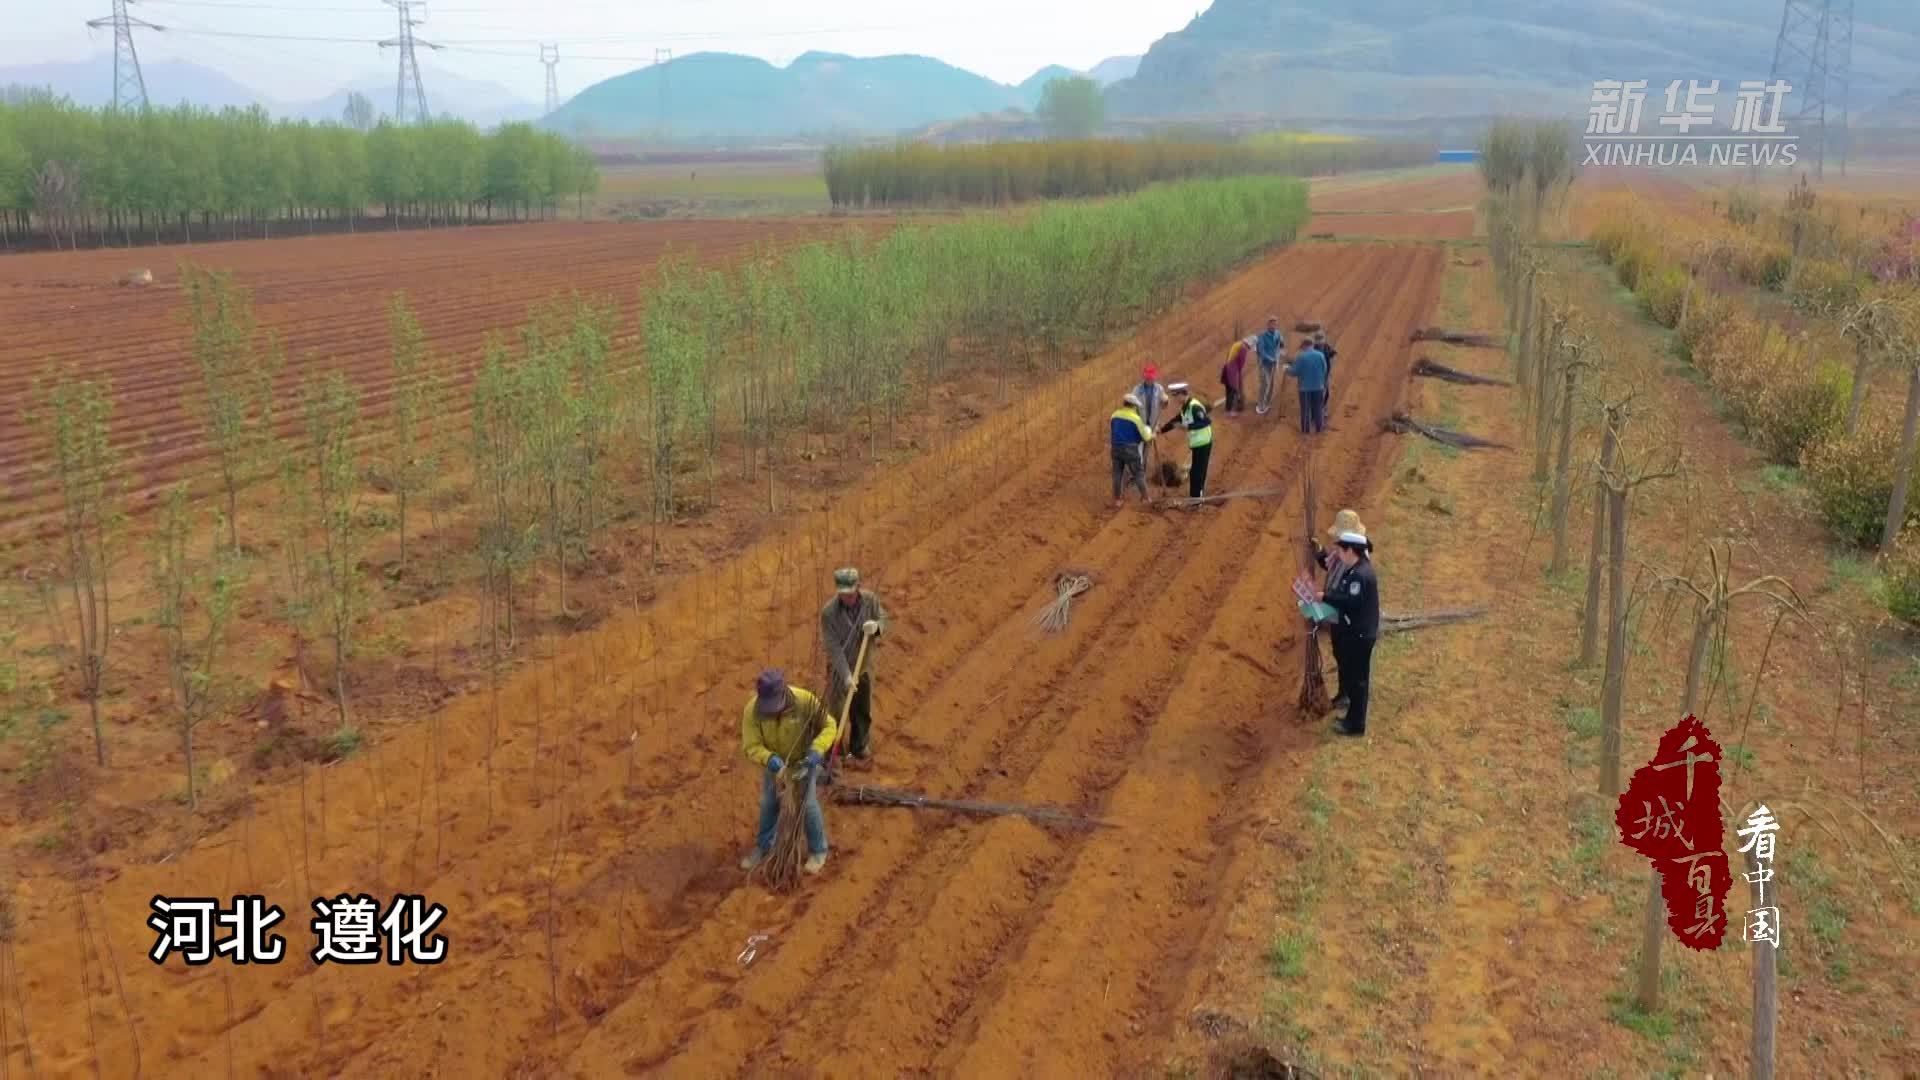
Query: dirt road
[{"x": 581, "y": 827}]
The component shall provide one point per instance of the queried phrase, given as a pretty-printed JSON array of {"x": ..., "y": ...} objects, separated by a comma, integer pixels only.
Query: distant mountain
[
  {"x": 171, "y": 82},
  {"x": 721, "y": 95},
  {"x": 1113, "y": 69},
  {"x": 1367, "y": 58},
  {"x": 1031, "y": 89},
  {"x": 477, "y": 101}
]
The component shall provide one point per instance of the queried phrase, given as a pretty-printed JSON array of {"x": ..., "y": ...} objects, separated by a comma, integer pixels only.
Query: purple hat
[{"x": 771, "y": 692}]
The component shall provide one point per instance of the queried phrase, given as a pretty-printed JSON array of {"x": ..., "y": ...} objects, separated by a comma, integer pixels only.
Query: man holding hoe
[{"x": 853, "y": 616}]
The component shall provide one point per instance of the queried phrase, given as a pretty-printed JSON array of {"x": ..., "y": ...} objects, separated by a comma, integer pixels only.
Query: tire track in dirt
[{"x": 650, "y": 909}]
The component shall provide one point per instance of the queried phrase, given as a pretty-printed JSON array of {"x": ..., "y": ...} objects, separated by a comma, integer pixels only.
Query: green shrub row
[
  {"x": 999, "y": 173},
  {"x": 1786, "y": 390},
  {"x": 844, "y": 328}
]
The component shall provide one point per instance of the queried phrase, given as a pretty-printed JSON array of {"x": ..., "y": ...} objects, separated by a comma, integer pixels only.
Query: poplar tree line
[
  {"x": 72, "y": 176},
  {"x": 999, "y": 173}
]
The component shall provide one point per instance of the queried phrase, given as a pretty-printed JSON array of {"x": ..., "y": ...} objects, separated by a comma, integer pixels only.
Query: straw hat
[{"x": 1346, "y": 521}]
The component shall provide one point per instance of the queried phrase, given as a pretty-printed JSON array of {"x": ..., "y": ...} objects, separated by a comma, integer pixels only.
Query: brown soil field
[
  {"x": 1423, "y": 225},
  {"x": 326, "y": 296},
  {"x": 1440, "y": 188},
  {"x": 581, "y": 823}
]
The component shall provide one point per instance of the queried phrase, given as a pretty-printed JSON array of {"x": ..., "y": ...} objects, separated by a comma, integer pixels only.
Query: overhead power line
[
  {"x": 129, "y": 86},
  {"x": 1814, "y": 53},
  {"x": 550, "y": 56},
  {"x": 409, "y": 77}
]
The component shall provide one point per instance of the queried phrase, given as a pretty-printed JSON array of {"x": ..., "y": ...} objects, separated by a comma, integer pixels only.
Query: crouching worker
[
  {"x": 1194, "y": 417},
  {"x": 774, "y": 730}
]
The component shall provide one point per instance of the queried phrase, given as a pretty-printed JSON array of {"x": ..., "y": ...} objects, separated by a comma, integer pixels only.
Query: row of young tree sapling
[
  {"x": 1580, "y": 394},
  {"x": 555, "y": 417}
]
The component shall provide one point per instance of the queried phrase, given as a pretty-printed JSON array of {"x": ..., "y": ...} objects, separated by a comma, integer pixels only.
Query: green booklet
[{"x": 1319, "y": 612}]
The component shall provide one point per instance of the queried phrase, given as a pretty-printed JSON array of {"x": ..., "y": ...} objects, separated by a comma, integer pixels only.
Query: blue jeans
[{"x": 811, "y": 818}]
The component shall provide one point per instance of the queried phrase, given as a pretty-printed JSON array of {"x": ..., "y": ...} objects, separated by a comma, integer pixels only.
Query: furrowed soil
[
  {"x": 327, "y": 298},
  {"x": 581, "y": 824},
  {"x": 1436, "y": 203}
]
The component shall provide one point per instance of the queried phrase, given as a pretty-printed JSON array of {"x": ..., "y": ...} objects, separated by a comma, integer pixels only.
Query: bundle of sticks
[
  {"x": 1071, "y": 583},
  {"x": 1453, "y": 337},
  {"x": 1395, "y": 624},
  {"x": 782, "y": 867},
  {"x": 780, "y": 870},
  {"x": 1401, "y": 423},
  {"x": 1039, "y": 815},
  {"x": 1313, "y": 683},
  {"x": 1431, "y": 370}
]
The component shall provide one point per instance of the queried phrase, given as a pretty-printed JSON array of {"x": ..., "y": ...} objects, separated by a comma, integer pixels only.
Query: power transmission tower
[
  {"x": 663, "y": 59},
  {"x": 550, "y": 56},
  {"x": 129, "y": 86},
  {"x": 1814, "y": 53},
  {"x": 409, "y": 79}
]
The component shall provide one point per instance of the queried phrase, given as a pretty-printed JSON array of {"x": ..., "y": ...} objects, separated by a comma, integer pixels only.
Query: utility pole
[
  {"x": 663, "y": 59},
  {"x": 129, "y": 86},
  {"x": 1814, "y": 53},
  {"x": 550, "y": 56},
  {"x": 409, "y": 78}
]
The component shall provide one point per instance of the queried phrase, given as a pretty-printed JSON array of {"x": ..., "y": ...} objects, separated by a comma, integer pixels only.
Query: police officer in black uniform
[{"x": 1356, "y": 596}]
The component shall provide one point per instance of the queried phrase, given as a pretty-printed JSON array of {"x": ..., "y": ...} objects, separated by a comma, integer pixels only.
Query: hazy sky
[{"x": 499, "y": 39}]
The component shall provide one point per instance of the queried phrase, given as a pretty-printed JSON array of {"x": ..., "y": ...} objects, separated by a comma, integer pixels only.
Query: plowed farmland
[
  {"x": 1436, "y": 207},
  {"x": 325, "y": 296},
  {"x": 1447, "y": 187},
  {"x": 581, "y": 825},
  {"x": 1426, "y": 224}
]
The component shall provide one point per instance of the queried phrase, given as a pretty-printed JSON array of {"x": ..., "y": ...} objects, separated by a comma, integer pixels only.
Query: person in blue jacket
[
  {"x": 1129, "y": 436},
  {"x": 1267, "y": 349},
  {"x": 1310, "y": 367}
]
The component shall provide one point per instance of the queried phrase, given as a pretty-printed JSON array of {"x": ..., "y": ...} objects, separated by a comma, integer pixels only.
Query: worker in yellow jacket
[{"x": 773, "y": 732}]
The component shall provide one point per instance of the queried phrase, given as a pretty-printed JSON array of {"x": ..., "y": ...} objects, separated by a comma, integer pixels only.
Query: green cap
[{"x": 846, "y": 580}]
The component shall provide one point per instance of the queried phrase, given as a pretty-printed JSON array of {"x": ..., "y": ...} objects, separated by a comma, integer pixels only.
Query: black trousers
[
  {"x": 1354, "y": 655},
  {"x": 1197, "y": 479}
]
